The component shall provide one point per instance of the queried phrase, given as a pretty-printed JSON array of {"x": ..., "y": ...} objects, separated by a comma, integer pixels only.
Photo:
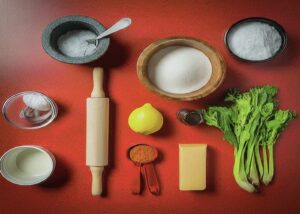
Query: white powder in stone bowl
[
  {"x": 179, "y": 69},
  {"x": 254, "y": 41},
  {"x": 74, "y": 44}
]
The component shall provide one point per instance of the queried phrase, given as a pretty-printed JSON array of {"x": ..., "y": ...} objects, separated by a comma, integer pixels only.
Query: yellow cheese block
[{"x": 192, "y": 166}]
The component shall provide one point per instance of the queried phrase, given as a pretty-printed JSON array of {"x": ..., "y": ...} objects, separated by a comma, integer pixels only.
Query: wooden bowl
[{"x": 216, "y": 59}]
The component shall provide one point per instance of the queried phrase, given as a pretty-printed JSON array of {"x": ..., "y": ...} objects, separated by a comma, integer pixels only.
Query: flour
[
  {"x": 179, "y": 69},
  {"x": 74, "y": 44},
  {"x": 254, "y": 41}
]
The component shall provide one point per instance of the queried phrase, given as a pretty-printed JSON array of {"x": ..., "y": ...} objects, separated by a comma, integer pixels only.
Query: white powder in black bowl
[
  {"x": 255, "y": 41},
  {"x": 74, "y": 43}
]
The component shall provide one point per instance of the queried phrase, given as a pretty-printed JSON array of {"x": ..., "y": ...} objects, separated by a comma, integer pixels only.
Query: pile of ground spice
[{"x": 142, "y": 154}]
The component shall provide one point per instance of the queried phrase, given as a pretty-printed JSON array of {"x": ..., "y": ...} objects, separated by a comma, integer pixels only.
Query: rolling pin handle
[
  {"x": 98, "y": 83},
  {"x": 96, "y": 179}
]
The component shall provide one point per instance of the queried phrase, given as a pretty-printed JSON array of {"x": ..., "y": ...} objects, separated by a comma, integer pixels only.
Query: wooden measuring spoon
[{"x": 143, "y": 156}]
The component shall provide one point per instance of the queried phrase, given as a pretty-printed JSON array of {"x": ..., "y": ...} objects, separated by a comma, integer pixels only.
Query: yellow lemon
[{"x": 145, "y": 120}]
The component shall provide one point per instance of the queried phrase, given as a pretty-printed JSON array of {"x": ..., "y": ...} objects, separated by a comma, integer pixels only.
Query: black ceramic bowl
[
  {"x": 64, "y": 24},
  {"x": 270, "y": 22}
]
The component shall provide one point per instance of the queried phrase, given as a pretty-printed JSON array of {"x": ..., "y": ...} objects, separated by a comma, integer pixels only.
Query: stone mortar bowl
[{"x": 67, "y": 23}]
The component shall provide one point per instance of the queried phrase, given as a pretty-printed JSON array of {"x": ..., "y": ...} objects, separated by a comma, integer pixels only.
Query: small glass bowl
[{"x": 14, "y": 109}]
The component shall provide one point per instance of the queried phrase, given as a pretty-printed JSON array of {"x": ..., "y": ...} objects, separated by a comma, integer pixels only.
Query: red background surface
[{"x": 25, "y": 66}]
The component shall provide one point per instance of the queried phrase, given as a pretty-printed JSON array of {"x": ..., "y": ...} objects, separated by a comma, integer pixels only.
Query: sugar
[
  {"x": 254, "y": 41},
  {"x": 179, "y": 69},
  {"x": 74, "y": 44}
]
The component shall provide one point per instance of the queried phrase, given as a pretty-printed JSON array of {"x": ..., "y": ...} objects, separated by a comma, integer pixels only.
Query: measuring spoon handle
[
  {"x": 151, "y": 178},
  {"x": 136, "y": 182}
]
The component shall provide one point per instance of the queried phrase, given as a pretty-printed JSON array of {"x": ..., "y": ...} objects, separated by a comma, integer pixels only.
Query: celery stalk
[
  {"x": 265, "y": 161},
  {"x": 251, "y": 122}
]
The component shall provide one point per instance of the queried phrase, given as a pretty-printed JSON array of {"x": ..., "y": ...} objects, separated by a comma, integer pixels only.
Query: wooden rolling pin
[{"x": 97, "y": 131}]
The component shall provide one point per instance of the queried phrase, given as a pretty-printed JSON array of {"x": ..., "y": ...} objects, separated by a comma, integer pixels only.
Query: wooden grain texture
[
  {"x": 216, "y": 59},
  {"x": 98, "y": 83},
  {"x": 97, "y": 172}
]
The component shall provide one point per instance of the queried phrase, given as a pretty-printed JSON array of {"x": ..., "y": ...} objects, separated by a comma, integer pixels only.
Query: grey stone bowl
[{"x": 67, "y": 23}]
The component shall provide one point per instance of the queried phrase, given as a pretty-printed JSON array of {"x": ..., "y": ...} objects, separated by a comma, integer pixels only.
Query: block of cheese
[{"x": 192, "y": 167}]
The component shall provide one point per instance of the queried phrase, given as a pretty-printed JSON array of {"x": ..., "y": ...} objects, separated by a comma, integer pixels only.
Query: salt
[
  {"x": 254, "y": 41},
  {"x": 74, "y": 44},
  {"x": 179, "y": 69}
]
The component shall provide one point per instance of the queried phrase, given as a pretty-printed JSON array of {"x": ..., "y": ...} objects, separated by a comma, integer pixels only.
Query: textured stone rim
[{"x": 95, "y": 25}]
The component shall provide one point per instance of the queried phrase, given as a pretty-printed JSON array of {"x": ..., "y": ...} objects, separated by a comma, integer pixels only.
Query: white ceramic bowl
[{"x": 27, "y": 165}]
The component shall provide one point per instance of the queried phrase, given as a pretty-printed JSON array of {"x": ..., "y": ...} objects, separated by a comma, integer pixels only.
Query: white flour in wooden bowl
[{"x": 179, "y": 69}]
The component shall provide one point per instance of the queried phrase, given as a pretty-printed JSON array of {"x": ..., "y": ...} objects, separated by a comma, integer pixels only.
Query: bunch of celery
[{"x": 252, "y": 123}]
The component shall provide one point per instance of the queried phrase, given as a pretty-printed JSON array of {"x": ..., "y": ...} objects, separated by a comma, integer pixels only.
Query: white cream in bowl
[{"x": 27, "y": 165}]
